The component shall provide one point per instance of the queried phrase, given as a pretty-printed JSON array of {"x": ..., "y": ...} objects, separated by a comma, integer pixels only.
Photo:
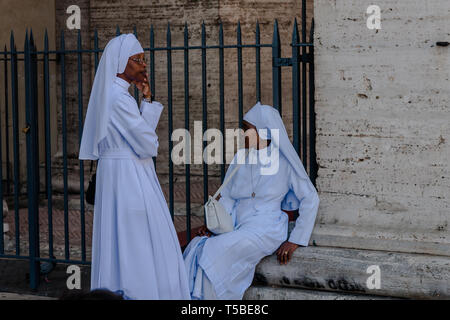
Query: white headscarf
[
  {"x": 114, "y": 60},
  {"x": 267, "y": 117}
]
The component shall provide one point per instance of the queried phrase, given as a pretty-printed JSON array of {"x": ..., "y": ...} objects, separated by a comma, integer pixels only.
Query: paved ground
[
  {"x": 14, "y": 278},
  {"x": 17, "y": 296}
]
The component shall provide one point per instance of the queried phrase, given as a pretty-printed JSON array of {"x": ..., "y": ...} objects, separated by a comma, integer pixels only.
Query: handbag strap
[
  {"x": 229, "y": 178},
  {"x": 92, "y": 165}
]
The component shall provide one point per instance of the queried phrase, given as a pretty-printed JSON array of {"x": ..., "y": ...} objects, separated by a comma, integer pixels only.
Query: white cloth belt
[{"x": 118, "y": 154}]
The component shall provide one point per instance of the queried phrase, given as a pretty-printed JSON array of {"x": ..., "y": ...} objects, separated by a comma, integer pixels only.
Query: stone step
[
  {"x": 283, "y": 293},
  {"x": 338, "y": 270}
]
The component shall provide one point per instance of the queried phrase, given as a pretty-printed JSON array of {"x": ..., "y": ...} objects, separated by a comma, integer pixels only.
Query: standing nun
[
  {"x": 271, "y": 180},
  {"x": 135, "y": 247}
]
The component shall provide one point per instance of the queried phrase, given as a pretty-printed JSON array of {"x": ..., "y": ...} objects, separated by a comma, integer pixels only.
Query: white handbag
[{"x": 218, "y": 220}]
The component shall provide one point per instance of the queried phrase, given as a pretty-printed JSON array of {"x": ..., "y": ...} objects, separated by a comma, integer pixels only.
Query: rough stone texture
[
  {"x": 345, "y": 271},
  {"x": 382, "y": 104},
  {"x": 71, "y": 70},
  {"x": 281, "y": 293}
]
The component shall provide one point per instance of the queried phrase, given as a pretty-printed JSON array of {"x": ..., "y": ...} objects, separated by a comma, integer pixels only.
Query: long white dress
[
  {"x": 135, "y": 246},
  {"x": 223, "y": 266}
]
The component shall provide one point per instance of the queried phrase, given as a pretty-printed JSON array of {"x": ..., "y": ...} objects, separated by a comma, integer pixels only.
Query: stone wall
[
  {"x": 383, "y": 105},
  {"x": 20, "y": 16}
]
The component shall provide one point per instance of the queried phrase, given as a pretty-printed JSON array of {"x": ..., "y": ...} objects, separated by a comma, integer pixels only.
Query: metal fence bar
[
  {"x": 258, "y": 62},
  {"x": 16, "y": 150},
  {"x": 48, "y": 159},
  {"x": 35, "y": 160},
  {"x": 304, "y": 156},
  {"x": 31, "y": 132},
  {"x": 80, "y": 134},
  {"x": 64, "y": 146},
  {"x": 239, "y": 66},
  {"x": 276, "y": 69},
  {"x": 312, "y": 112},
  {"x": 96, "y": 49},
  {"x": 2, "y": 251},
  {"x": 136, "y": 91},
  {"x": 295, "y": 92},
  {"x": 152, "y": 60},
  {"x": 8, "y": 174},
  {"x": 186, "y": 126},
  {"x": 152, "y": 69},
  {"x": 205, "y": 112},
  {"x": 169, "y": 103},
  {"x": 222, "y": 99}
]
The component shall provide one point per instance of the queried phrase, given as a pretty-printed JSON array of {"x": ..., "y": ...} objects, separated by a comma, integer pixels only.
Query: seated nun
[{"x": 271, "y": 179}]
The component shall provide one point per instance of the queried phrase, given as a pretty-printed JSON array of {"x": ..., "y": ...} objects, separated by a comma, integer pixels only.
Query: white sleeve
[
  {"x": 151, "y": 112},
  {"x": 138, "y": 130},
  {"x": 309, "y": 203}
]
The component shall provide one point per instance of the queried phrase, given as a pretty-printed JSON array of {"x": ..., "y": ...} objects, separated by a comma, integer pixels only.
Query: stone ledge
[
  {"x": 345, "y": 271},
  {"x": 357, "y": 237},
  {"x": 280, "y": 293}
]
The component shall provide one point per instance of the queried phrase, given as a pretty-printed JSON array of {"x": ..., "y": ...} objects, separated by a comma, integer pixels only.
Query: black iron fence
[{"x": 37, "y": 189}]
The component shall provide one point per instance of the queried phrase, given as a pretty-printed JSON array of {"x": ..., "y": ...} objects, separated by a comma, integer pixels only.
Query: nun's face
[
  {"x": 251, "y": 135},
  {"x": 136, "y": 68}
]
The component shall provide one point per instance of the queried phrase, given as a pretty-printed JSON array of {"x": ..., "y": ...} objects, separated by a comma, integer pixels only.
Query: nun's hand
[
  {"x": 203, "y": 231},
  {"x": 285, "y": 251},
  {"x": 144, "y": 87}
]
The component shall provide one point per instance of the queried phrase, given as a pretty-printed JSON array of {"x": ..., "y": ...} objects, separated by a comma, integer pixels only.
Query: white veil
[
  {"x": 114, "y": 60},
  {"x": 267, "y": 117}
]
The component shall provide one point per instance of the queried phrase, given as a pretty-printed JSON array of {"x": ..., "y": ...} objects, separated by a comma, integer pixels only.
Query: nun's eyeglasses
[{"x": 137, "y": 60}]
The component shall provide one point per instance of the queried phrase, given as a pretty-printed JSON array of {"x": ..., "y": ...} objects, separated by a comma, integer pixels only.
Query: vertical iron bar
[
  {"x": 222, "y": 100},
  {"x": 152, "y": 60},
  {"x": 276, "y": 70},
  {"x": 186, "y": 126},
  {"x": 48, "y": 159},
  {"x": 2, "y": 251},
  {"x": 169, "y": 102},
  {"x": 304, "y": 93},
  {"x": 296, "y": 88},
  {"x": 258, "y": 62},
  {"x": 136, "y": 91},
  {"x": 152, "y": 69},
  {"x": 80, "y": 134},
  {"x": 64, "y": 137},
  {"x": 32, "y": 157},
  {"x": 16, "y": 150},
  {"x": 96, "y": 49},
  {"x": 117, "y": 31},
  {"x": 205, "y": 112},
  {"x": 312, "y": 111},
  {"x": 239, "y": 65},
  {"x": 8, "y": 174}
]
